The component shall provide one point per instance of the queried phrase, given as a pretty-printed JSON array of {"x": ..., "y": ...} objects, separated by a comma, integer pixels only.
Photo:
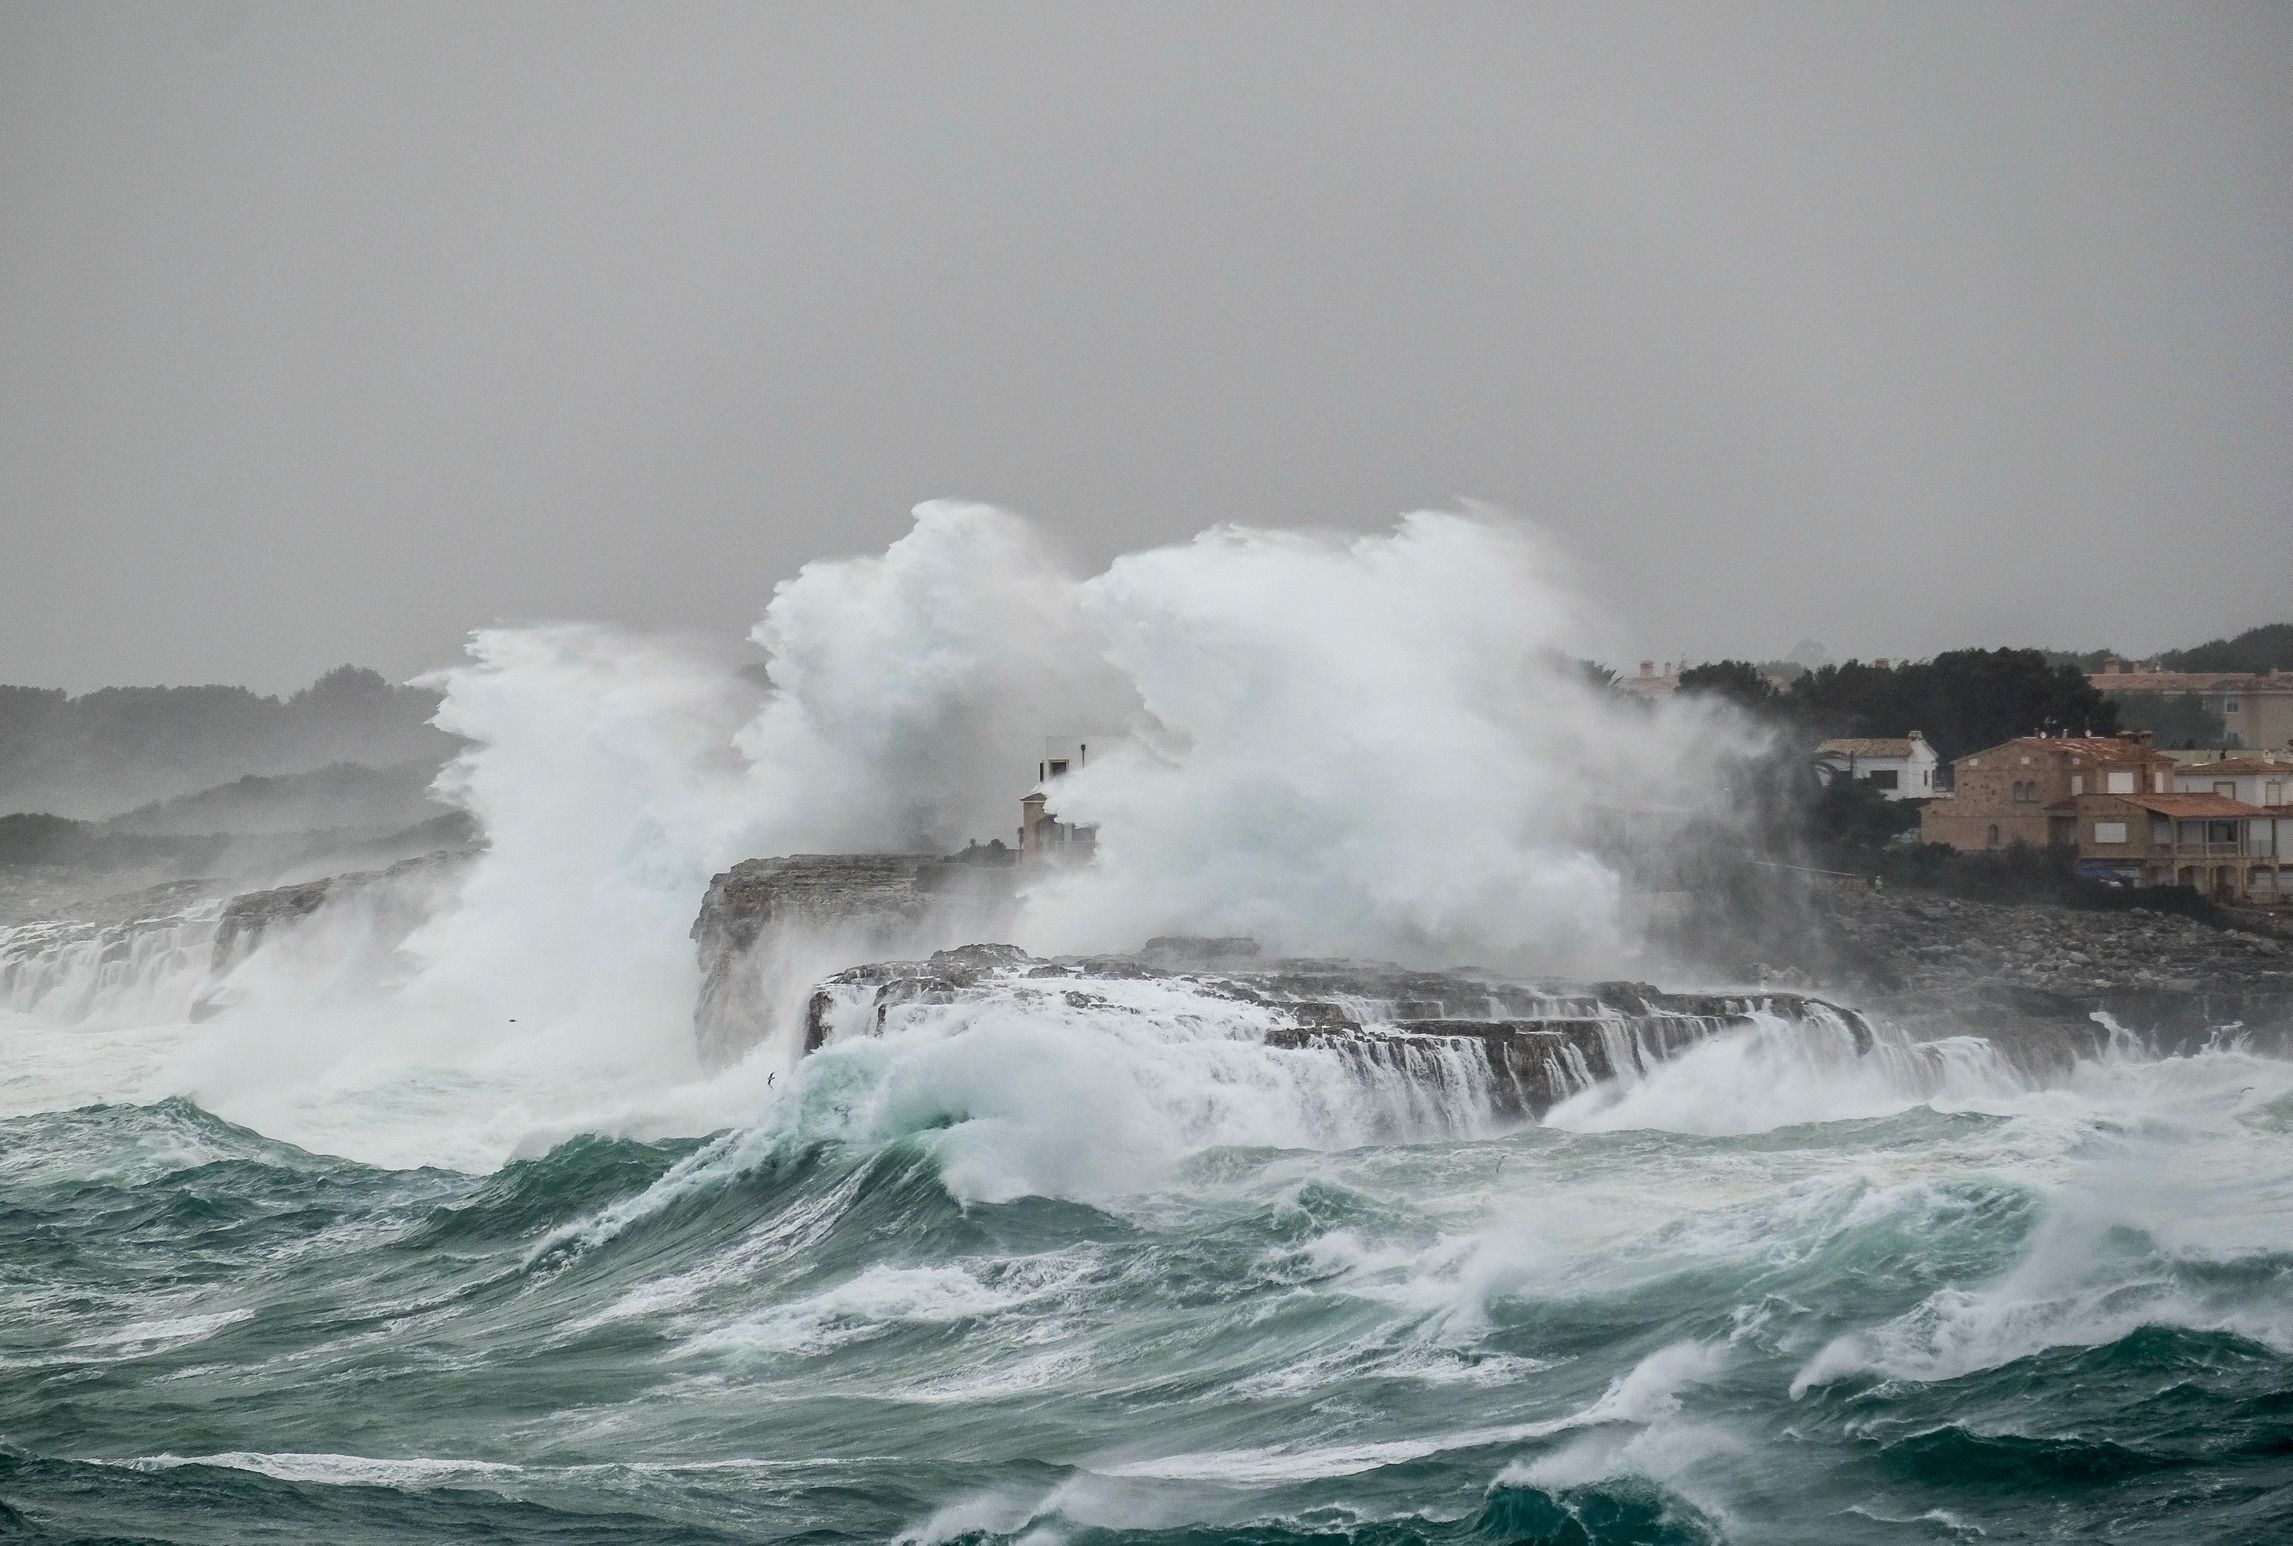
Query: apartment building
[{"x": 2256, "y": 707}]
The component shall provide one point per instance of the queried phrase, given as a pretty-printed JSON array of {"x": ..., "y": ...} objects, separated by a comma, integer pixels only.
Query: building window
[
  {"x": 1994, "y": 834},
  {"x": 2161, "y": 832},
  {"x": 2225, "y": 789},
  {"x": 2109, "y": 832},
  {"x": 2221, "y": 831},
  {"x": 2121, "y": 781},
  {"x": 2077, "y": 783},
  {"x": 2229, "y": 705}
]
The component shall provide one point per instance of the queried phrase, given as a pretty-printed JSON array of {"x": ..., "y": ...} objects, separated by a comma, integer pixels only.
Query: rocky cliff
[
  {"x": 168, "y": 952},
  {"x": 768, "y": 929},
  {"x": 1527, "y": 1045},
  {"x": 1921, "y": 958}
]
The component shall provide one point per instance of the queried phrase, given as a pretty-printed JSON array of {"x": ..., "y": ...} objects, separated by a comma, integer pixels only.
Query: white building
[
  {"x": 2252, "y": 780},
  {"x": 1901, "y": 769}
]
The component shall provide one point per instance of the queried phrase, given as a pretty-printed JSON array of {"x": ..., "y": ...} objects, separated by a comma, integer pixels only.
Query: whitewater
[{"x": 446, "y": 1234}]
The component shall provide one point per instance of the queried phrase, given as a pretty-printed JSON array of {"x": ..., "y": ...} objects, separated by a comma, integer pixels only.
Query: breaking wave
[{"x": 411, "y": 1215}]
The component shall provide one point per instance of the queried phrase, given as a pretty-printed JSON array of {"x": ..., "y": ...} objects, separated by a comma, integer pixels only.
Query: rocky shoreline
[
  {"x": 1923, "y": 957},
  {"x": 1530, "y": 1045}
]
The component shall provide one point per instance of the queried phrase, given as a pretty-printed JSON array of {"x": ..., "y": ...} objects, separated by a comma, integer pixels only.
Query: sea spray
[
  {"x": 1025, "y": 1265},
  {"x": 1339, "y": 744},
  {"x": 454, "y": 1239}
]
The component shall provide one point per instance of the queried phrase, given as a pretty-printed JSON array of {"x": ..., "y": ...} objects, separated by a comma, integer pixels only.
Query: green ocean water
[{"x": 947, "y": 1287}]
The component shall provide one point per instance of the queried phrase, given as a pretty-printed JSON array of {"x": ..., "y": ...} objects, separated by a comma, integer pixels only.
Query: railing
[{"x": 1829, "y": 880}]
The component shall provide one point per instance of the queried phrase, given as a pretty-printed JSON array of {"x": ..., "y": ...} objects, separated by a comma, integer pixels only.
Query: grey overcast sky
[{"x": 328, "y": 332}]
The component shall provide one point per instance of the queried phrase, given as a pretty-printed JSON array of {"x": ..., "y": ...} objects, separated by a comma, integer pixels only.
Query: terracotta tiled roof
[
  {"x": 2231, "y": 767},
  {"x": 2191, "y": 804},
  {"x": 2095, "y": 748},
  {"x": 1865, "y": 746},
  {"x": 2192, "y": 681}
]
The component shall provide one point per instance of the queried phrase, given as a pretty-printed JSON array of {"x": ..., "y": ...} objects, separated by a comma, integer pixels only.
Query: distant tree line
[
  {"x": 2173, "y": 719},
  {"x": 1964, "y": 700},
  {"x": 1961, "y": 701},
  {"x": 54, "y": 840},
  {"x": 108, "y": 750},
  {"x": 2266, "y": 648}
]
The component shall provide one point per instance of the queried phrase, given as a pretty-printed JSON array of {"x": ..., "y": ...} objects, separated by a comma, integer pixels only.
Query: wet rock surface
[
  {"x": 395, "y": 898},
  {"x": 1920, "y": 956},
  {"x": 764, "y": 919},
  {"x": 165, "y": 951},
  {"x": 1536, "y": 1042}
]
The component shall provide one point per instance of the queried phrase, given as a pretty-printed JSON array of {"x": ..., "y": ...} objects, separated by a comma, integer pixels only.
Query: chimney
[{"x": 1648, "y": 668}]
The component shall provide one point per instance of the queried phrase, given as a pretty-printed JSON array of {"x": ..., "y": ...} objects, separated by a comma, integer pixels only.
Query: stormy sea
[{"x": 421, "y": 1216}]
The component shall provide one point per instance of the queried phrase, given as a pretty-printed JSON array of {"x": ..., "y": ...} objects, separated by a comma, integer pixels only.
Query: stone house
[
  {"x": 2018, "y": 792},
  {"x": 1901, "y": 768}
]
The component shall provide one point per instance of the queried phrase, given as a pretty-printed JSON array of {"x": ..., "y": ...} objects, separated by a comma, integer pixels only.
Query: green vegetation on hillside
[
  {"x": 2267, "y": 648},
  {"x": 1962, "y": 700},
  {"x": 119, "y": 747},
  {"x": 2174, "y": 719}
]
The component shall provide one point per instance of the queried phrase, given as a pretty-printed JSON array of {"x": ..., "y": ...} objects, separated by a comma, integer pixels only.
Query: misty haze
[{"x": 1050, "y": 774}]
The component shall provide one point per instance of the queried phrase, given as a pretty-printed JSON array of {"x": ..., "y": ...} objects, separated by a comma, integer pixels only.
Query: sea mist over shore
[
  {"x": 1338, "y": 744},
  {"x": 1372, "y": 746}
]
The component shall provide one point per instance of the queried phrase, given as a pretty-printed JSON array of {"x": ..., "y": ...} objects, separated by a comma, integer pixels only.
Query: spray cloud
[{"x": 1340, "y": 744}]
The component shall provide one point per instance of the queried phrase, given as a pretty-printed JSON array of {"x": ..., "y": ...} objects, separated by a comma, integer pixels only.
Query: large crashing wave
[
  {"x": 1368, "y": 745},
  {"x": 1346, "y": 745}
]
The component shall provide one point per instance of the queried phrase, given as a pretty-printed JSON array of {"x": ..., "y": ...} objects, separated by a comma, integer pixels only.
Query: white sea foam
[
  {"x": 1780, "y": 1072},
  {"x": 413, "y": 1472},
  {"x": 1647, "y": 1394},
  {"x": 2175, "y": 1174},
  {"x": 1342, "y": 744},
  {"x": 871, "y": 1304}
]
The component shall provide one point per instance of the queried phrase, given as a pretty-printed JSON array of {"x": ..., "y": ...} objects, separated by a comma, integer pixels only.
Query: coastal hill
[{"x": 104, "y": 753}]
